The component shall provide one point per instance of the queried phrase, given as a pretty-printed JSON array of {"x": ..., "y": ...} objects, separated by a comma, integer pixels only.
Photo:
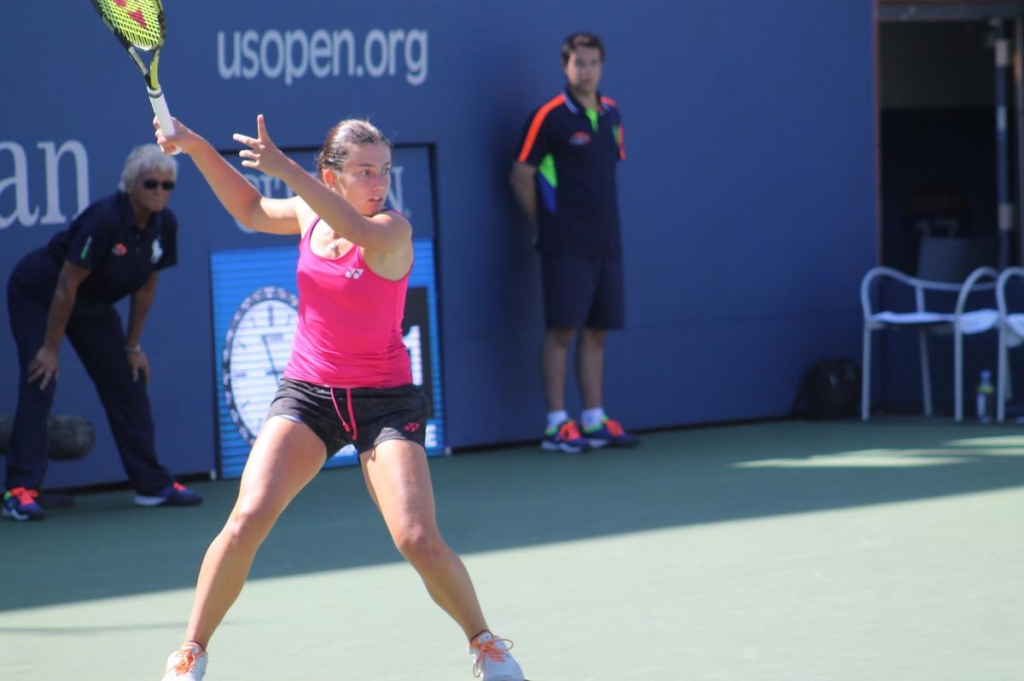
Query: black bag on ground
[
  {"x": 70, "y": 437},
  {"x": 830, "y": 389}
]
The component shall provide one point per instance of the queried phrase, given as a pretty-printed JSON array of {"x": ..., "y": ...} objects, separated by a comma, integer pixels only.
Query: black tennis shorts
[
  {"x": 583, "y": 291},
  {"x": 364, "y": 417}
]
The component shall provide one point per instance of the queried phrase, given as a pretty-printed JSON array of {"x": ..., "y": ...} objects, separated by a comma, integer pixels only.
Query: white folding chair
[{"x": 947, "y": 262}]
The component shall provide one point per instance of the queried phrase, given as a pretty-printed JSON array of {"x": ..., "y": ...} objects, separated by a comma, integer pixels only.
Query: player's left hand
[
  {"x": 139, "y": 364},
  {"x": 262, "y": 153}
]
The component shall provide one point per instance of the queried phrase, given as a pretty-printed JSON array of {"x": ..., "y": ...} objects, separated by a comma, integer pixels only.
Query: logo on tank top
[
  {"x": 353, "y": 273},
  {"x": 119, "y": 250},
  {"x": 158, "y": 252}
]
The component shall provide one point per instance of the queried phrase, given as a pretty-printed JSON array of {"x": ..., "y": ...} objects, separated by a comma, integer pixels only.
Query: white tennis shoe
[
  {"x": 187, "y": 663},
  {"x": 491, "y": 659}
]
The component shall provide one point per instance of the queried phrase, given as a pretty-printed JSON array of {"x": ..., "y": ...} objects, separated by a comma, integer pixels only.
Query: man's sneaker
[
  {"x": 609, "y": 433},
  {"x": 187, "y": 663},
  {"x": 175, "y": 495},
  {"x": 20, "y": 504},
  {"x": 565, "y": 438},
  {"x": 491, "y": 659}
]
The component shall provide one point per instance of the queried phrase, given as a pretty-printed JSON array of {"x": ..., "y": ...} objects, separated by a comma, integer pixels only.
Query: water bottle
[{"x": 985, "y": 393}]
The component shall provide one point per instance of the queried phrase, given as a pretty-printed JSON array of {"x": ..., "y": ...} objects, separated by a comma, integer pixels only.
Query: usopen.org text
[{"x": 295, "y": 54}]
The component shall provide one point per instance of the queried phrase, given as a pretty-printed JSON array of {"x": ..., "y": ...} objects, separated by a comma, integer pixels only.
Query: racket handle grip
[{"x": 163, "y": 114}]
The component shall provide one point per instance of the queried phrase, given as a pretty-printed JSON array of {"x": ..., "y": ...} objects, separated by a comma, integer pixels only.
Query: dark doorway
[
  {"x": 937, "y": 121},
  {"x": 949, "y": 107}
]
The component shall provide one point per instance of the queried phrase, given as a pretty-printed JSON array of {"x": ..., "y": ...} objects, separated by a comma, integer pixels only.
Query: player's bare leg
[
  {"x": 285, "y": 457},
  {"x": 398, "y": 478}
]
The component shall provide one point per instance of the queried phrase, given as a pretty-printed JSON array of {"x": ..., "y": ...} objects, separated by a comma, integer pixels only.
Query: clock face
[{"x": 256, "y": 350}]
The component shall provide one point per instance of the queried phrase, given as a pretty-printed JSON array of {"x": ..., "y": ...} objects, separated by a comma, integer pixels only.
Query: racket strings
[{"x": 140, "y": 22}]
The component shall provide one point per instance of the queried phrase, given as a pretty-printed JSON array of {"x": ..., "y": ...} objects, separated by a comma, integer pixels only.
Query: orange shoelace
[
  {"x": 24, "y": 496},
  {"x": 490, "y": 650},
  {"x": 569, "y": 431},
  {"x": 187, "y": 660}
]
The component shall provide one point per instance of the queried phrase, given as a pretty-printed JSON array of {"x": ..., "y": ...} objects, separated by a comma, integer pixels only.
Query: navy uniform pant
[{"x": 98, "y": 338}]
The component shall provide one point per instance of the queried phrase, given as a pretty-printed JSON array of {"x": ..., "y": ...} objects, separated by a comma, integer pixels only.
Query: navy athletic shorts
[{"x": 583, "y": 291}]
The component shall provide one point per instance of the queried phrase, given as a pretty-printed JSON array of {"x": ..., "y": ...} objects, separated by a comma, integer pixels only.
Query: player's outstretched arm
[{"x": 245, "y": 203}]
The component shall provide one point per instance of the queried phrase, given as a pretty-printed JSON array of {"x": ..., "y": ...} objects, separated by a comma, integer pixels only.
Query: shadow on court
[{"x": 106, "y": 548}]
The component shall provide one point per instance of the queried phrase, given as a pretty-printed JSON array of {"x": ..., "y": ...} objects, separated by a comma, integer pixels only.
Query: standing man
[{"x": 564, "y": 181}]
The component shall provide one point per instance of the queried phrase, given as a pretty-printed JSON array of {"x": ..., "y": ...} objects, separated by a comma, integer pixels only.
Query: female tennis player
[{"x": 348, "y": 379}]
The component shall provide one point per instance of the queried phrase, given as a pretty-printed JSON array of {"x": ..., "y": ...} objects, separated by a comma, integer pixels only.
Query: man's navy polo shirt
[
  {"x": 576, "y": 154},
  {"x": 106, "y": 240}
]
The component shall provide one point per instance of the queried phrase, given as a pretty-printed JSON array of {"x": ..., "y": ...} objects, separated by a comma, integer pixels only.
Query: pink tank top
[{"x": 349, "y": 333}]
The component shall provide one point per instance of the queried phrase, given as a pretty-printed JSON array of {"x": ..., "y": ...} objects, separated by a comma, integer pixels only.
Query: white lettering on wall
[
  {"x": 53, "y": 155},
  {"x": 395, "y": 194},
  {"x": 24, "y": 213},
  {"x": 19, "y": 181},
  {"x": 292, "y": 55}
]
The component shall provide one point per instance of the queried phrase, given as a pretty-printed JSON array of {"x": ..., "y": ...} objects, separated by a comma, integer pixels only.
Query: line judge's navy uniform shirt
[
  {"x": 106, "y": 240},
  {"x": 576, "y": 154}
]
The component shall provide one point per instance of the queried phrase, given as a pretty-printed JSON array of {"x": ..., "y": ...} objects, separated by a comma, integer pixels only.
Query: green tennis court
[{"x": 788, "y": 550}]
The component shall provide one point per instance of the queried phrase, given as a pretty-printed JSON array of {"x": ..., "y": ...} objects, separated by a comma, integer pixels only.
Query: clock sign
[{"x": 256, "y": 350}]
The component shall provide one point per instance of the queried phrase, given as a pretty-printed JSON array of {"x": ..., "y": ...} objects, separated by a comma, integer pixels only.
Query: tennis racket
[{"x": 140, "y": 27}]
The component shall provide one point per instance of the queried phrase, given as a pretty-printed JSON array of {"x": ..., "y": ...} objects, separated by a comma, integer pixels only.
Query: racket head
[{"x": 136, "y": 23}]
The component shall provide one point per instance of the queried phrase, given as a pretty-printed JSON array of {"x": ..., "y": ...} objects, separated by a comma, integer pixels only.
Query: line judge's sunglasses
[{"x": 167, "y": 185}]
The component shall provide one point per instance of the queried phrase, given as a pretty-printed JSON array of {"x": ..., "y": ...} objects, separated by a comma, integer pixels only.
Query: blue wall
[{"x": 748, "y": 196}]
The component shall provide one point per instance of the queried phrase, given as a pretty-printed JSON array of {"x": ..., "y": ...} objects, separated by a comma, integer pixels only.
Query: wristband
[{"x": 133, "y": 349}]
